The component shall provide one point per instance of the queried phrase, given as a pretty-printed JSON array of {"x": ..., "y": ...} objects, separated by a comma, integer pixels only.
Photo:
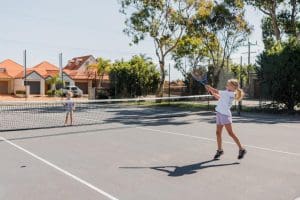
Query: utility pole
[
  {"x": 25, "y": 73},
  {"x": 61, "y": 69},
  {"x": 249, "y": 44},
  {"x": 25, "y": 66}
]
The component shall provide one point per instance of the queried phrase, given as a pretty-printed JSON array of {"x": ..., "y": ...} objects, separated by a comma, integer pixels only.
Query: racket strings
[{"x": 200, "y": 75}]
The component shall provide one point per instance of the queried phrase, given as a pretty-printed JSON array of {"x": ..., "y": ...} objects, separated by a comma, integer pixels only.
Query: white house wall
[
  {"x": 68, "y": 79},
  {"x": 34, "y": 77},
  {"x": 19, "y": 85},
  {"x": 42, "y": 91}
]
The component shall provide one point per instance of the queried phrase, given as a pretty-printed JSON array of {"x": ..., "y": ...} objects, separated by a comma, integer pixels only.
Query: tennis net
[{"x": 25, "y": 115}]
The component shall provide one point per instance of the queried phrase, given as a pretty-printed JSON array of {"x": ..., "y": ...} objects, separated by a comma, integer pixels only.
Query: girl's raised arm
[{"x": 211, "y": 89}]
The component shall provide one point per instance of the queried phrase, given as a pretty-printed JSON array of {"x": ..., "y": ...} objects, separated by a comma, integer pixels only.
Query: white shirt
[
  {"x": 69, "y": 105},
  {"x": 225, "y": 102}
]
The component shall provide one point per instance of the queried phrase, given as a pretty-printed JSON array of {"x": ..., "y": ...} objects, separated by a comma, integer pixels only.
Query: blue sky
[{"x": 76, "y": 28}]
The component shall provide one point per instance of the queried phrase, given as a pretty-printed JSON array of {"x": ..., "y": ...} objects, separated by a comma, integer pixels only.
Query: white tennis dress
[{"x": 224, "y": 115}]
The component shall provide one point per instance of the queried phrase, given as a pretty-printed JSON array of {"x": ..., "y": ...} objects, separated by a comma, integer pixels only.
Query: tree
[
  {"x": 241, "y": 72},
  {"x": 215, "y": 31},
  {"x": 190, "y": 51},
  {"x": 54, "y": 81},
  {"x": 279, "y": 71},
  {"x": 99, "y": 69},
  {"x": 162, "y": 20},
  {"x": 135, "y": 77},
  {"x": 269, "y": 8},
  {"x": 280, "y": 21}
]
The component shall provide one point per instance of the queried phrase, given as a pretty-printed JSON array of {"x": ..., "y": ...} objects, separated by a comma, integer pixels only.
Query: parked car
[{"x": 77, "y": 92}]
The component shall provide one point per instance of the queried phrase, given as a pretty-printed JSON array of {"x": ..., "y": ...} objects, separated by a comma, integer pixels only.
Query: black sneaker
[
  {"x": 242, "y": 153},
  {"x": 218, "y": 154}
]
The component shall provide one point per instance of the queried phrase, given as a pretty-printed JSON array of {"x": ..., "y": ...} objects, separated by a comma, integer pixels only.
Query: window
[{"x": 2, "y": 70}]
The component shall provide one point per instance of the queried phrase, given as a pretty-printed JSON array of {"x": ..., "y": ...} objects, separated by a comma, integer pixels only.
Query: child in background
[
  {"x": 70, "y": 107},
  {"x": 224, "y": 116}
]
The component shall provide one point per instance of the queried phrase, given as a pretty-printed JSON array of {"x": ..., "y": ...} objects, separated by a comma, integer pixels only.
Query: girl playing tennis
[
  {"x": 223, "y": 116},
  {"x": 70, "y": 107}
]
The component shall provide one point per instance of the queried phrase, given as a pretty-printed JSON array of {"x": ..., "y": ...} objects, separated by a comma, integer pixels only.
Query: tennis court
[{"x": 142, "y": 152}]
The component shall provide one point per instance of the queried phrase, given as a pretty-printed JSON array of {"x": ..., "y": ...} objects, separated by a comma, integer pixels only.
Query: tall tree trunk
[
  {"x": 101, "y": 80},
  {"x": 274, "y": 22},
  {"x": 293, "y": 18},
  {"x": 276, "y": 28},
  {"x": 162, "y": 78},
  {"x": 216, "y": 76}
]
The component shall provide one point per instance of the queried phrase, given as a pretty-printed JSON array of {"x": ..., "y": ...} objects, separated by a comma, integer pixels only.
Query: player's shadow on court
[{"x": 175, "y": 171}]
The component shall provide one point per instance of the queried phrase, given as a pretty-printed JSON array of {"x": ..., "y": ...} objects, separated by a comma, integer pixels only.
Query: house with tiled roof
[
  {"x": 37, "y": 76},
  {"x": 78, "y": 70},
  {"x": 8, "y": 72}
]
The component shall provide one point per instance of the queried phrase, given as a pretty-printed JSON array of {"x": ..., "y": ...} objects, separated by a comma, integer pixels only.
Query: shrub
[
  {"x": 50, "y": 93},
  {"x": 21, "y": 92},
  {"x": 279, "y": 71},
  {"x": 102, "y": 94},
  {"x": 136, "y": 77}
]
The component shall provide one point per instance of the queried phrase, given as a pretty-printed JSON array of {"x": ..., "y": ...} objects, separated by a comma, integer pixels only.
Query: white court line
[
  {"x": 61, "y": 170},
  {"x": 213, "y": 140}
]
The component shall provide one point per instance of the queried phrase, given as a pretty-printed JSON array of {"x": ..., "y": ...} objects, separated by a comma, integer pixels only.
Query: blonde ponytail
[{"x": 239, "y": 94}]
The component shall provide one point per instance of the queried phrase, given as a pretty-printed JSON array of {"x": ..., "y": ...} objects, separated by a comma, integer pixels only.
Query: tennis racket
[{"x": 200, "y": 76}]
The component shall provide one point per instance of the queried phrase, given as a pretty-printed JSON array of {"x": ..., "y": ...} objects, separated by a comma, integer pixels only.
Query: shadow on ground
[
  {"x": 175, "y": 171},
  {"x": 251, "y": 118},
  {"x": 86, "y": 131}
]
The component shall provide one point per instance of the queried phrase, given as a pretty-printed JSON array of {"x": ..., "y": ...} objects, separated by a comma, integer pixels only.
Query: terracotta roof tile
[
  {"x": 44, "y": 69},
  {"x": 75, "y": 75},
  {"x": 45, "y": 66},
  {"x": 11, "y": 68},
  {"x": 5, "y": 75},
  {"x": 75, "y": 63}
]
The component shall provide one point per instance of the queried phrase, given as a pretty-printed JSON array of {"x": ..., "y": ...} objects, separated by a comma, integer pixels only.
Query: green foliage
[
  {"x": 135, "y": 77},
  {"x": 164, "y": 21},
  {"x": 279, "y": 71},
  {"x": 54, "y": 81},
  {"x": 241, "y": 72},
  {"x": 267, "y": 32},
  {"x": 281, "y": 19},
  {"x": 100, "y": 68},
  {"x": 23, "y": 92},
  {"x": 102, "y": 94},
  {"x": 189, "y": 52},
  {"x": 54, "y": 93},
  {"x": 214, "y": 32}
]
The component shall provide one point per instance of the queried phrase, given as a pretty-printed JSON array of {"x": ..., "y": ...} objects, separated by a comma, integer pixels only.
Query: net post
[{"x": 169, "y": 92}]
